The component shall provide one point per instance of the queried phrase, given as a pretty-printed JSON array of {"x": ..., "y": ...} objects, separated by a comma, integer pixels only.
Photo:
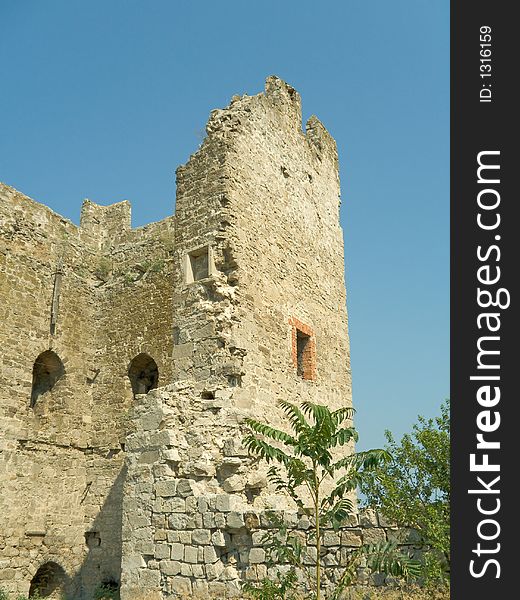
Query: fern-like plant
[{"x": 313, "y": 466}]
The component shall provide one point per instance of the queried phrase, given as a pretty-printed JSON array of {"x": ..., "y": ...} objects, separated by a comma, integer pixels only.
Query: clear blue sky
[{"x": 104, "y": 99}]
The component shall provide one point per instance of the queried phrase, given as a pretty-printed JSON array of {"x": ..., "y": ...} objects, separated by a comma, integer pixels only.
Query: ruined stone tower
[{"x": 132, "y": 356}]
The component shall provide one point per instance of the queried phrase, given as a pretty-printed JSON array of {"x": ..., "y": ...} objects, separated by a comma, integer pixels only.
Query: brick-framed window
[{"x": 303, "y": 349}]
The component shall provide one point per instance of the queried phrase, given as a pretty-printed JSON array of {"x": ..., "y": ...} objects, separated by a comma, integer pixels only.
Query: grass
[{"x": 383, "y": 593}]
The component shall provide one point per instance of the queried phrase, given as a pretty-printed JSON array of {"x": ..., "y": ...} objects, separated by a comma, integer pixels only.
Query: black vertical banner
[{"x": 485, "y": 246}]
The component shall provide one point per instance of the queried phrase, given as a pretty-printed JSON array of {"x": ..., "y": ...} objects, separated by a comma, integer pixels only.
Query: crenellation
[{"x": 105, "y": 225}]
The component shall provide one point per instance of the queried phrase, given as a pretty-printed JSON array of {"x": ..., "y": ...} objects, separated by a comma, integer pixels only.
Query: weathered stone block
[
  {"x": 331, "y": 538},
  {"x": 351, "y": 537},
  {"x": 185, "y": 537},
  {"x": 220, "y": 520},
  {"x": 208, "y": 520},
  {"x": 202, "y": 504},
  {"x": 191, "y": 554},
  {"x": 213, "y": 571},
  {"x": 191, "y": 504},
  {"x": 235, "y": 520},
  {"x": 200, "y": 589},
  {"x": 235, "y": 483},
  {"x": 170, "y": 567},
  {"x": 162, "y": 551},
  {"x": 256, "y": 555},
  {"x": 210, "y": 554},
  {"x": 256, "y": 572},
  {"x": 198, "y": 571},
  {"x": 173, "y": 505},
  {"x": 177, "y": 551},
  {"x": 184, "y": 488},
  {"x": 224, "y": 503},
  {"x": 234, "y": 447},
  {"x": 218, "y": 539},
  {"x": 181, "y": 586},
  {"x": 257, "y": 538},
  {"x": 165, "y": 437},
  {"x": 251, "y": 520},
  {"x": 166, "y": 488},
  {"x": 201, "y": 536},
  {"x": 368, "y": 518},
  {"x": 374, "y": 535},
  {"x": 178, "y": 521},
  {"x": 310, "y": 555},
  {"x": 149, "y": 579}
]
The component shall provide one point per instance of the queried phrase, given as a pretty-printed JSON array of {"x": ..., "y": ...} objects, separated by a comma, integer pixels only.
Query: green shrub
[
  {"x": 310, "y": 459},
  {"x": 107, "y": 591},
  {"x": 414, "y": 489},
  {"x": 103, "y": 269}
]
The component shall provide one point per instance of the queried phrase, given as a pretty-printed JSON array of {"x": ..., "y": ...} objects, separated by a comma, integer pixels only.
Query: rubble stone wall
[
  {"x": 287, "y": 241},
  {"x": 196, "y": 506},
  {"x": 95, "y": 295},
  {"x": 220, "y": 299}
]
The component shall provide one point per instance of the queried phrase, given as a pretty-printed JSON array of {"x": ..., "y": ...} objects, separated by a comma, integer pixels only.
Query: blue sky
[{"x": 105, "y": 99}]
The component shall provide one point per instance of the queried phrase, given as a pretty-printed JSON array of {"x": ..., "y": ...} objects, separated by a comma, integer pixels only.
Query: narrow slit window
[
  {"x": 303, "y": 350},
  {"x": 302, "y": 353}
]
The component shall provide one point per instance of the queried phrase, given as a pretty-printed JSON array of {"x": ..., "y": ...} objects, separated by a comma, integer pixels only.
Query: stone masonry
[{"x": 131, "y": 358}]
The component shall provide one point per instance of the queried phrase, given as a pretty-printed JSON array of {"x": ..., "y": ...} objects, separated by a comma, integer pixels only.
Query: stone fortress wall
[
  {"x": 95, "y": 296},
  {"x": 131, "y": 358}
]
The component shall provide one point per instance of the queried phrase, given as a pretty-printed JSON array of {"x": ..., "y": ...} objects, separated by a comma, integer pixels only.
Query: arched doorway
[
  {"x": 143, "y": 374},
  {"x": 47, "y": 370},
  {"x": 49, "y": 581}
]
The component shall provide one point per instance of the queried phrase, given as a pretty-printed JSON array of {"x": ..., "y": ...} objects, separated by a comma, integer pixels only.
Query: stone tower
[{"x": 132, "y": 356}]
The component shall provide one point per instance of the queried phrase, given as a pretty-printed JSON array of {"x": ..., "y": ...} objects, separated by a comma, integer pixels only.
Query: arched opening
[
  {"x": 49, "y": 581},
  {"x": 47, "y": 369},
  {"x": 143, "y": 374}
]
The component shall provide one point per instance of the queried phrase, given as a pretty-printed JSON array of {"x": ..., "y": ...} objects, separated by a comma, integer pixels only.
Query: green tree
[
  {"x": 314, "y": 468},
  {"x": 413, "y": 489}
]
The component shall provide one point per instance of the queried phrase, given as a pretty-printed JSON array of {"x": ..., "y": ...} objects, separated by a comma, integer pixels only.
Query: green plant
[
  {"x": 157, "y": 266},
  {"x": 107, "y": 591},
  {"x": 268, "y": 589},
  {"x": 129, "y": 278},
  {"x": 139, "y": 270},
  {"x": 309, "y": 465},
  {"x": 103, "y": 269},
  {"x": 414, "y": 489}
]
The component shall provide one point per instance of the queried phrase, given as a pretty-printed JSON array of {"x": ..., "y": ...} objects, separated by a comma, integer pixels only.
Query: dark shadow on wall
[{"x": 103, "y": 539}]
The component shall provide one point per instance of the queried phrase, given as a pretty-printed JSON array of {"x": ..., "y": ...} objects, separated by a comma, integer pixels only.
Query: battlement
[{"x": 105, "y": 224}]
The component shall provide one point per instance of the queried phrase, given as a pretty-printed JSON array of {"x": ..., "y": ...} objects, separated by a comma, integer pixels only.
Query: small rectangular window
[{"x": 198, "y": 264}]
